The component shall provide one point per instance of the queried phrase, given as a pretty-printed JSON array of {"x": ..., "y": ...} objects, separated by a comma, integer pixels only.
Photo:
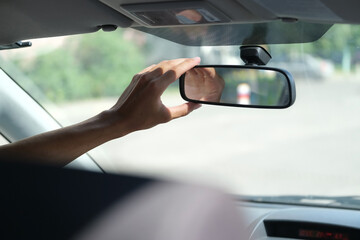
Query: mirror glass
[{"x": 234, "y": 86}]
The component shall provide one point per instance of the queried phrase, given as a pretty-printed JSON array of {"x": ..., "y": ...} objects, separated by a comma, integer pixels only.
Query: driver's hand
[
  {"x": 204, "y": 84},
  {"x": 140, "y": 106}
]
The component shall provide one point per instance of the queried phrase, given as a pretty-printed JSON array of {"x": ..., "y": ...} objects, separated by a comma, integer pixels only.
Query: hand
[
  {"x": 204, "y": 84},
  {"x": 140, "y": 106}
]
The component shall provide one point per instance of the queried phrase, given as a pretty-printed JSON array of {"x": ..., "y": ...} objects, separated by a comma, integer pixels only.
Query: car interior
[{"x": 281, "y": 141}]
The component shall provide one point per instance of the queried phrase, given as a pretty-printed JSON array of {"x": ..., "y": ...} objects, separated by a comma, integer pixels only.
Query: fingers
[
  {"x": 169, "y": 64},
  {"x": 138, "y": 75},
  {"x": 162, "y": 75},
  {"x": 133, "y": 84},
  {"x": 156, "y": 70},
  {"x": 176, "y": 71},
  {"x": 148, "y": 69},
  {"x": 182, "y": 110},
  {"x": 165, "y": 65}
]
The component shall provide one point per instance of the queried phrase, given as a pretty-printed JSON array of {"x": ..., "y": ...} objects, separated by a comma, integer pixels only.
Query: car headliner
[{"x": 23, "y": 19}]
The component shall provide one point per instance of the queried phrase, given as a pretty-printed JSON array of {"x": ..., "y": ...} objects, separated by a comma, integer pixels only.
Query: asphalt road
[{"x": 312, "y": 148}]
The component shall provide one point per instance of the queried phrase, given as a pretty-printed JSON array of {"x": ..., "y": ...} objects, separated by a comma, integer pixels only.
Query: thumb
[{"x": 182, "y": 110}]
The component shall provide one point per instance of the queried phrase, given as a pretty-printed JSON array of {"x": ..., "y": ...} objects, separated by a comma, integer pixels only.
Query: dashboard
[
  {"x": 276, "y": 221},
  {"x": 42, "y": 201}
]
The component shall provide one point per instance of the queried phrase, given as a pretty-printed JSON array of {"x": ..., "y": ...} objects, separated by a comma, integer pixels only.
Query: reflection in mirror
[{"x": 251, "y": 87}]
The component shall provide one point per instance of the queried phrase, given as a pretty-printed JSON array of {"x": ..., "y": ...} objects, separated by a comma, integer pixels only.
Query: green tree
[
  {"x": 339, "y": 44},
  {"x": 87, "y": 66}
]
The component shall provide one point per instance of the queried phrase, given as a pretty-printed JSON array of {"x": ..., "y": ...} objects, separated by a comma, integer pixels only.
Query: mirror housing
[{"x": 238, "y": 86}]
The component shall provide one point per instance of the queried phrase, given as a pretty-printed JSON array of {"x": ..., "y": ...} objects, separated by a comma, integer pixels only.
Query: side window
[{"x": 3, "y": 140}]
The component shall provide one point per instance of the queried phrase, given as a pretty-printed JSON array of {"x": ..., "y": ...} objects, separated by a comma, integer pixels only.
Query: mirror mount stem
[{"x": 254, "y": 55}]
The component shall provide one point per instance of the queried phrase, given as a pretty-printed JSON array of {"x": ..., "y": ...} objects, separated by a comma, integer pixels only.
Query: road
[{"x": 311, "y": 148}]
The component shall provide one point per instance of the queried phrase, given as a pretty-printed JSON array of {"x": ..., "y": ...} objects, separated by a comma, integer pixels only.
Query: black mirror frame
[{"x": 289, "y": 78}]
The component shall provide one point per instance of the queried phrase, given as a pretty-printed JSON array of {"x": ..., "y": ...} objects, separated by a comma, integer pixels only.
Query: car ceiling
[{"x": 23, "y": 19}]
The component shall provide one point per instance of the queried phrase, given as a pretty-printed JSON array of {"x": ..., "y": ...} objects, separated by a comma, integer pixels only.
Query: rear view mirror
[{"x": 241, "y": 86}]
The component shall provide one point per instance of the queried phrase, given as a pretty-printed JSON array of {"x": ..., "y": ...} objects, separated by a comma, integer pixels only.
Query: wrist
[{"x": 112, "y": 124}]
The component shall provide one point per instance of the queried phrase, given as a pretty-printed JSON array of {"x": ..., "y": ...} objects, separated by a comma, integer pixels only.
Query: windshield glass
[{"x": 310, "y": 148}]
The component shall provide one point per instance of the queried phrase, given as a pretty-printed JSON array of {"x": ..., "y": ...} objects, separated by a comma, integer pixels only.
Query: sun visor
[
  {"x": 278, "y": 32},
  {"x": 208, "y": 23},
  {"x": 310, "y": 10}
]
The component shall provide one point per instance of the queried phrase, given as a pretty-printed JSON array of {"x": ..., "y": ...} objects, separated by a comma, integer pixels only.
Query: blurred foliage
[
  {"x": 340, "y": 40},
  {"x": 102, "y": 64},
  {"x": 86, "y": 66},
  {"x": 336, "y": 41}
]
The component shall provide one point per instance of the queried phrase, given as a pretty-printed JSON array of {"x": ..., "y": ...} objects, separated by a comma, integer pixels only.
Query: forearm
[
  {"x": 138, "y": 108},
  {"x": 59, "y": 147}
]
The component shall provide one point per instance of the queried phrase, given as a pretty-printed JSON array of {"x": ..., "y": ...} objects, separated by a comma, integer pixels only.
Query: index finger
[{"x": 176, "y": 71}]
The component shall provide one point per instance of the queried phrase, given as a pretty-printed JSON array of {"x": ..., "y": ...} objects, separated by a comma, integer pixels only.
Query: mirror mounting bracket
[{"x": 254, "y": 55}]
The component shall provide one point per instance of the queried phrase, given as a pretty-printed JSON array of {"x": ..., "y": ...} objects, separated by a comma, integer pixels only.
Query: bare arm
[{"x": 139, "y": 107}]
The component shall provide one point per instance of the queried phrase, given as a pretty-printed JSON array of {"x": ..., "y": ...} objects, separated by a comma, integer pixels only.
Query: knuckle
[
  {"x": 171, "y": 75},
  {"x": 158, "y": 71},
  {"x": 142, "y": 79},
  {"x": 153, "y": 86}
]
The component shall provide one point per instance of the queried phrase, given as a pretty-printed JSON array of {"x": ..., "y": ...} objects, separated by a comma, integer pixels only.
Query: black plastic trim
[{"x": 292, "y": 229}]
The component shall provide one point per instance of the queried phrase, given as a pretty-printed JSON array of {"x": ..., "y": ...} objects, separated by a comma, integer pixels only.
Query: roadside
[{"x": 310, "y": 148}]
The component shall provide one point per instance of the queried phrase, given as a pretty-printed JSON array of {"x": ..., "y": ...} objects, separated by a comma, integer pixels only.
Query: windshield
[{"x": 310, "y": 148}]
